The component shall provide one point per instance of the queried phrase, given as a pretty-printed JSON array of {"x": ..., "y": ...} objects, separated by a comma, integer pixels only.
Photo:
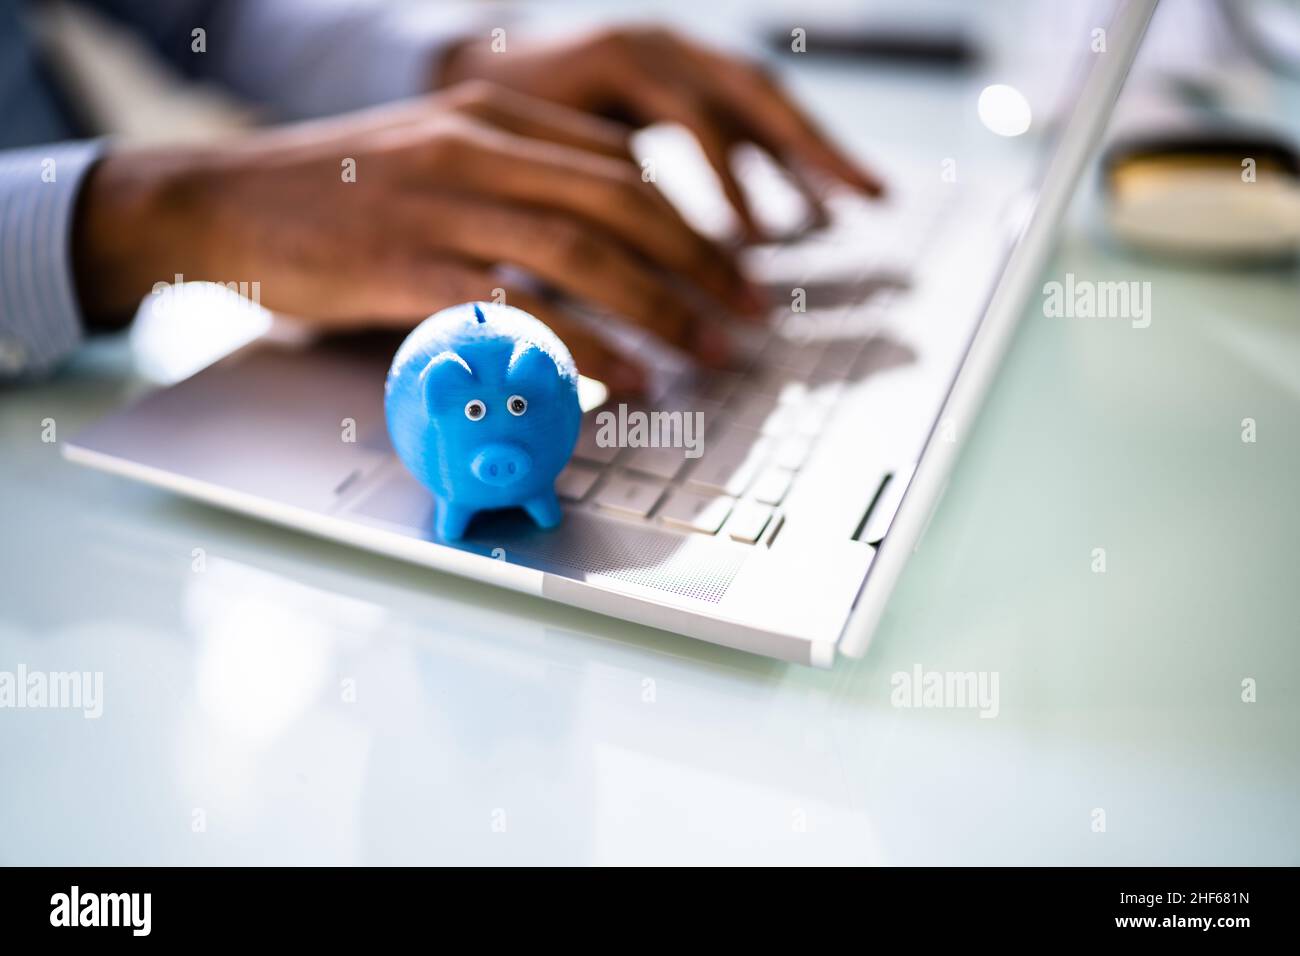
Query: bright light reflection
[
  {"x": 266, "y": 646},
  {"x": 591, "y": 393},
  {"x": 185, "y": 326},
  {"x": 1004, "y": 110}
]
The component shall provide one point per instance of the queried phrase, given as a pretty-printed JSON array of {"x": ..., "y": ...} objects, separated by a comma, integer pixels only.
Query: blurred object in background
[
  {"x": 120, "y": 87},
  {"x": 896, "y": 36},
  {"x": 1202, "y": 162},
  {"x": 1230, "y": 196}
]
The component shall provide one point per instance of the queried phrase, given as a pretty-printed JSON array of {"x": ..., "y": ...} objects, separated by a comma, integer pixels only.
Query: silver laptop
[{"x": 823, "y": 453}]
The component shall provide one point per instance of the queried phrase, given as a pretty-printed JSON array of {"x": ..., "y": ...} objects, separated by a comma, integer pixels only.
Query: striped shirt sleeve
[{"x": 40, "y": 322}]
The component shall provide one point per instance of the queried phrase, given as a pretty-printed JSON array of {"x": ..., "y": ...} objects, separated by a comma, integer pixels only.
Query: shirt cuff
[{"x": 40, "y": 321}]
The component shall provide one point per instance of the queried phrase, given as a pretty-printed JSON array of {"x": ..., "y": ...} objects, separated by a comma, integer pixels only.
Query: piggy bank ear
[
  {"x": 532, "y": 367},
  {"x": 440, "y": 380}
]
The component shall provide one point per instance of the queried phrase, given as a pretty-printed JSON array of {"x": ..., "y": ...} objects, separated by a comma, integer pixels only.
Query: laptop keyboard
[{"x": 762, "y": 422}]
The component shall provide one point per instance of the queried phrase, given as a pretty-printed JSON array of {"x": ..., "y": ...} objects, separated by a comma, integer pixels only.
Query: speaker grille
[
  {"x": 585, "y": 544},
  {"x": 688, "y": 565}
]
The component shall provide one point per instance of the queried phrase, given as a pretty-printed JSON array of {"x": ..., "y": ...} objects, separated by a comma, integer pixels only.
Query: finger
[
  {"x": 406, "y": 288},
  {"x": 775, "y": 121},
  {"x": 606, "y": 193},
  {"x": 593, "y": 356},
  {"x": 540, "y": 119},
  {"x": 718, "y": 140},
  {"x": 399, "y": 288},
  {"x": 571, "y": 255},
  {"x": 678, "y": 105},
  {"x": 811, "y": 193},
  {"x": 494, "y": 105}
]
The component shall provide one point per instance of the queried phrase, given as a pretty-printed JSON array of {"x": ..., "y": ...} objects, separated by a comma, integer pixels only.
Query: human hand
[
  {"x": 643, "y": 75},
  {"x": 446, "y": 188}
]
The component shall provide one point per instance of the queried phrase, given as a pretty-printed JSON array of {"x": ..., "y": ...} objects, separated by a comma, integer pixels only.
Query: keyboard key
[
  {"x": 660, "y": 462},
  {"x": 717, "y": 386},
  {"x": 751, "y": 410},
  {"x": 748, "y": 520},
  {"x": 816, "y": 326},
  {"x": 836, "y": 364},
  {"x": 781, "y": 421},
  {"x": 782, "y": 268},
  {"x": 587, "y": 449},
  {"x": 575, "y": 481},
  {"x": 757, "y": 409},
  {"x": 799, "y": 360},
  {"x": 826, "y": 394},
  {"x": 730, "y": 461},
  {"x": 628, "y": 495},
  {"x": 792, "y": 452},
  {"x": 782, "y": 383},
  {"x": 696, "y": 511},
  {"x": 772, "y": 485},
  {"x": 812, "y": 418},
  {"x": 880, "y": 354},
  {"x": 680, "y": 405},
  {"x": 712, "y": 412}
]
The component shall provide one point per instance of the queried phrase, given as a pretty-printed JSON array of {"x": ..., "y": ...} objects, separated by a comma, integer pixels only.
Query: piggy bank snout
[{"x": 501, "y": 464}]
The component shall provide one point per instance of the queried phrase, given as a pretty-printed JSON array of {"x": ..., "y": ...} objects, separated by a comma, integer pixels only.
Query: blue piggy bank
[{"x": 482, "y": 407}]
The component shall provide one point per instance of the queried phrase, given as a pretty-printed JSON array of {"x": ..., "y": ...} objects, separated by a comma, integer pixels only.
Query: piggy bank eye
[
  {"x": 517, "y": 404},
  {"x": 475, "y": 409}
]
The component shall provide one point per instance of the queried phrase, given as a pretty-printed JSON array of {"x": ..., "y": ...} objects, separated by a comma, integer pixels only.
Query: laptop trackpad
[{"x": 296, "y": 426}]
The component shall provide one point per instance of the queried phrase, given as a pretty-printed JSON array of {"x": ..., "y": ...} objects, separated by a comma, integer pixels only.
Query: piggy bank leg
[
  {"x": 544, "y": 509},
  {"x": 452, "y": 520}
]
